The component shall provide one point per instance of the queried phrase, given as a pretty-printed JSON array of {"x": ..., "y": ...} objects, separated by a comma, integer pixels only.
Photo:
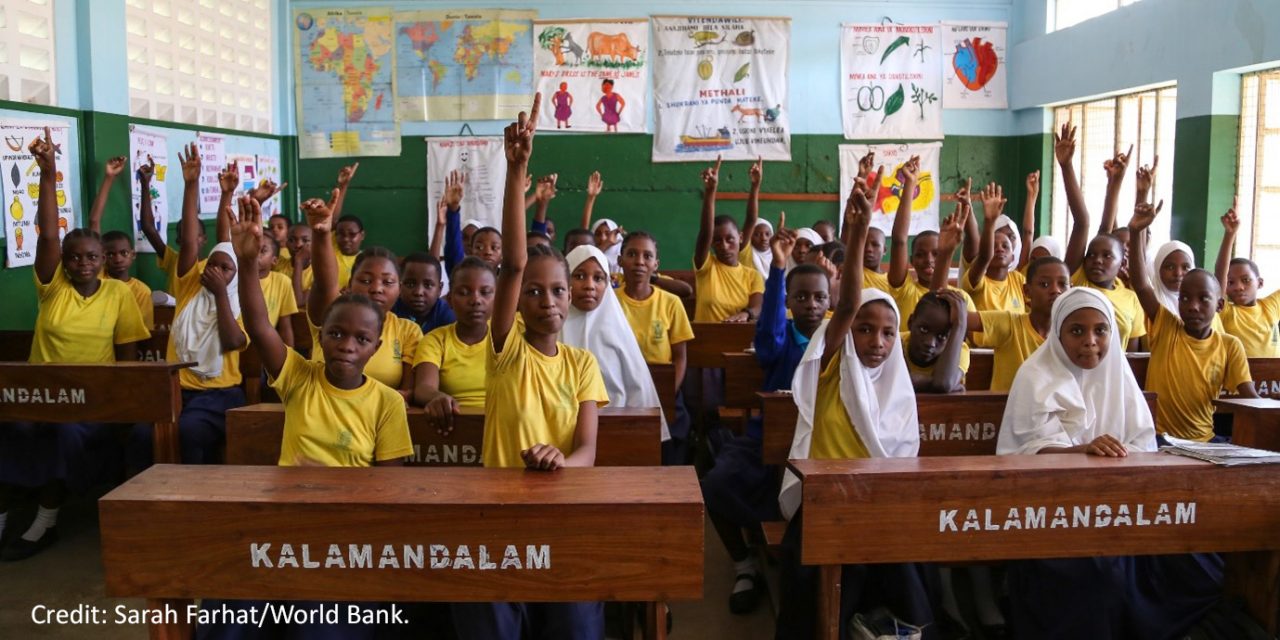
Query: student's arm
[
  {"x": 542, "y": 197},
  {"x": 756, "y": 173},
  {"x": 1064, "y": 147},
  {"x": 246, "y": 237},
  {"x": 679, "y": 362},
  {"x": 230, "y": 337},
  {"x": 454, "y": 188},
  {"x": 993, "y": 202},
  {"x": 946, "y": 371},
  {"x": 865, "y": 164},
  {"x": 1230, "y": 226},
  {"x": 189, "y": 243},
  {"x": 1029, "y": 216},
  {"x": 1247, "y": 390},
  {"x": 584, "y": 436},
  {"x": 1115, "y": 169},
  {"x": 284, "y": 327},
  {"x": 228, "y": 180},
  {"x": 675, "y": 286},
  {"x": 1144, "y": 178},
  {"x": 857, "y": 214},
  {"x": 146, "y": 216},
  {"x": 972, "y": 236},
  {"x": 901, "y": 225},
  {"x": 109, "y": 172},
  {"x": 1105, "y": 445},
  {"x": 345, "y": 175},
  {"x": 771, "y": 329},
  {"x": 324, "y": 264},
  {"x": 300, "y": 261},
  {"x": 518, "y": 143},
  {"x": 702, "y": 246},
  {"x": 594, "y": 186},
  {"x": 438, "y": 232},
  {"x": 950, "y": 235},
  {"x": 127, "y": 352},
  {"x": 439, "y": 406},
  {"x": 1143, "y": 215},
  {"x": 48, "y": 244}
]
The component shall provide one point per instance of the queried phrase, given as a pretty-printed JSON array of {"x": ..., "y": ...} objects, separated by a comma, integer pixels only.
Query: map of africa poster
[
  {"x": 474, "y": 64},
  {"x": 344, "y": 67}
]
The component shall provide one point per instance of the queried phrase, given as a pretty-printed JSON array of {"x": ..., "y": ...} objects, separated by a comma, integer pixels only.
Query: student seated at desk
[
  {"x": 117, "y": 246},
  {"x": 727, "y": 290},
  {"x": 420, "y": 292},
  {"x": 934, "y": 343},
  {"x": 1255, "y": 322},
  {"x": 448, "y": 369}
]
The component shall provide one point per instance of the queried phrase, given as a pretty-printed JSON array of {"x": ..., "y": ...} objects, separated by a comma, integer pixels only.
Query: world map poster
[
  {"x": 344, "y": 67},
  {"x": 473, "y": 64}
]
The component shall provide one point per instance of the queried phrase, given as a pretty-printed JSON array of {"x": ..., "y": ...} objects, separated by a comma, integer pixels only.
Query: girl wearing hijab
[
  {"x": 1174, "y": 260},
  {"x": 755, "y": 250},
  {"x": 1045, "y": 246},
  {"x": 993, "y": 278}
]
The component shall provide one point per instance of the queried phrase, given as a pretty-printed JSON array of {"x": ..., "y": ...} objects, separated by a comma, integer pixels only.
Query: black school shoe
[
  {"x": 744, "y": 602},
  {"x": 21, "y": 549}
]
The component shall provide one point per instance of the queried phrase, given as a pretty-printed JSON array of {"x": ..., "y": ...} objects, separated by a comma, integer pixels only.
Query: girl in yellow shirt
[
  {"x": 449, "y": 366},
  {"x": 727, "y": 290},
  {"x": 993, "y": 277}
]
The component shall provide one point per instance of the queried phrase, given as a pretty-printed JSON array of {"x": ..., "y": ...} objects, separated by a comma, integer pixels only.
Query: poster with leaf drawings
[
  {"x": 593, "y": 74},
  {"x": 891, "y": 81},
  {"x": 720, "y": 88},
  {"x": 973, "y": 65},
  {"x": 889, "y": 192}
]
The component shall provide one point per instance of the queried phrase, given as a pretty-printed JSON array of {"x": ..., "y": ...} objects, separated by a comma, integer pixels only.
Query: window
[
  {"x": 1258, "y": 178},
  {"x": 1068, "y": 13},
  {"x": 26, "y": 51},
  {"x": 202, "y": 62},
  {"x": 1147, "y": 121}
]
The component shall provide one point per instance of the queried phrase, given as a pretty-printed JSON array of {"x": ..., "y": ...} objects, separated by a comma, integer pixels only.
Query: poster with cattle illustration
[
  {"x": 973, "y": 65},
  {"x": 720, "y": 88},
  {"x": 593, "y": 74},
  {"x": 891, "y": 81}
]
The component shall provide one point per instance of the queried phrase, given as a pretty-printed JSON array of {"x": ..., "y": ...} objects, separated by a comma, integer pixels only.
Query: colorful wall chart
[
  {"x": 145, "y": 144},
  {"x": 889, "y": 193},
  {"x": 483, "y": 164},
  {"x": 20, "y": 186},
  {"x": 891, "y": 81},
  {"x": 593, "y": 74},
  {"x": 973, "y": 61},
  {"x": 720, "y": 87},
  {"x": 213, "y": 159}
]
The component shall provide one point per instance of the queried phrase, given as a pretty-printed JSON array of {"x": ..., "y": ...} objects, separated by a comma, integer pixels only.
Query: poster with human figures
[
  {"x": 720, "y": 88},
  {"x": 888, "y": 187},
  {"x": 593, "y": 74},
  {"x": 891, "y": 81},
  {"x": 144, "y": 146},
  {"x": 973, "y": 65},
  {"x": 21, "y": 186}
]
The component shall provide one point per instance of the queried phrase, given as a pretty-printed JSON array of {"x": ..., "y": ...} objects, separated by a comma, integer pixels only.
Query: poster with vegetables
[
  {"x": 144, "y": 144},
  {"x": 973, "y": 65},
  {"x": 720, "y": 88},
  {"x": 888, "y": 187},
  {"x": 20, "y": 177},
  {"x": 593, "y": 74},
  {"x": 891, "y": 81}
]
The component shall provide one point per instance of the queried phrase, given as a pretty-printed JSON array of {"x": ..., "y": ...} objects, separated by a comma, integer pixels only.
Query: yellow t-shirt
[
  {"x": 908, "y": 296},
  {"x": 461, "y": 365},
  {"x": 72, "y": 328},
  {"x": 308, "y": 278},
  {"x": 330, "y": 427},
  {"x": 1131, "y": 320},
  {"x": 1255, "y": 326},
  {"x": 186, "y": 289},
  {"x": 400, "y": 339},
  {"x": 834, "y": 436},
  {"x": 873, "y": 280},
  {"x": 1188, "y": 374},
  {"x": 345, "y": 263},
  {"x": 142, "y": 295},
  {"x": 277, "y": 289},
  {"x": 658, "y": 322},
  {"x": 915, "y": 369},
  {"x": 1013, "y": 339},
  {"x": 996, "y": 295},
  {"x": 723, "y": 290},
  {"x": 168, "y": 263},
  {"x": 283, "y": 259},
  {"x": 533, "y": 398}
]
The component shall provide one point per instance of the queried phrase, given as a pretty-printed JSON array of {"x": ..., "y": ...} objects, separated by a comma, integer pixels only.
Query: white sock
[
  {"x": 45, "y": 519},
  {"x": 4, "y": 518},
  {"x": 988, "y": 611},
  {"x": 744, "y": 567}
]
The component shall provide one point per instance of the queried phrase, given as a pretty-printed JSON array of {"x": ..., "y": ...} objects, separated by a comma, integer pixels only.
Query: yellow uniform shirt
[
  {"x": 461, "y": 365},
  {"x": 874, "y": 280},
  {"x": 533, "y": 398},
  {"x": 1187, "y": 375},
  {"x": 326, "y": 426},
  {"x": 277, "y": 290},
  {"x": 834, "y": 436},
  {"x": 917, "y": 370},
  {"x": 72, "y": 328},
  {"x": 908, "y": 296},
  {"x": 187, "y": 286},
  {"x": 168, "y": 263},
  {"x": 284, "y": 260},
  {"x": 1255, "y": 326},
  {"x": 996, "y": 295},
  {"x": 723, "y": 290},
  {"x": 142, "y": 295},
  {"x": 400, "y": 339},
  {"x": 1131, "y": 320},
  {"x": 308, "y": 278},
  {"x": 345, "y": 263},
  {"x": 1013, "y": 339},
  {"x": 658, "y": 321}
]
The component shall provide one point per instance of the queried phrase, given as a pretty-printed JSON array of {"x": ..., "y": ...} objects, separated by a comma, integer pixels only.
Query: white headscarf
[
  {"x": 762, "y": 260},
  {"x": 1050, "y": 244},
  {"x": 881, "y": 402},
  {"x": 1006, "y": 221},
  {"x": 606, "y": 333},
  {"x": 612, "y": 253},
  {"x": 1168, "y": 297},
  {"x": 805, "y": 233},
  {"x": 472, "y": 222},
  {"x": 1054, "y": 403},
  {"x": 195, "y": 330}
]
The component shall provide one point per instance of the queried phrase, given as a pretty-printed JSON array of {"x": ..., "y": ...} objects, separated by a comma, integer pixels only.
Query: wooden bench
[
  {"x": 175, "y": 533},
  {"x": 958, "y": 510},
  {"x": 626, "y": 438},
  {"x": 123, "y": 392},
  {"x": 981, "y": 363},
  {"x": 1255, "y": 421},
  {"x": 711, "y": 340}
]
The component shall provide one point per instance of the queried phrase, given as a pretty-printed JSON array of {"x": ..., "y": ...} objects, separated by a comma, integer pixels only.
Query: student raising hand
[
  {"x": 1144, "y": 178},
  {"x": 48, "y": 244},
  {"x": 782, "y": 243},
  {"x": 858, "y": 216},
  {"x": 1230, "y": 227},
  {"x": 1143, "y": 215},
  {"x": 246, "y": 238},
  {"x": 710, "y": 180},
  {"x": 266, "y": 189},
  {"x": 324, "y": 264}
]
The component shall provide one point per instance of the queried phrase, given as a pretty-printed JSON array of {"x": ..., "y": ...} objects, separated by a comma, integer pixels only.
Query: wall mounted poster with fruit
[
  {"x": 925, "y": 196},
  {"x": 720, "y": 88},
  {"x": 973, "y": 65},
  {"x": 593, "y": 74},
  {"x": 21, "y": 186},
  {"x": 145, "y": 144},
  {"x": 891, "y": 81}
]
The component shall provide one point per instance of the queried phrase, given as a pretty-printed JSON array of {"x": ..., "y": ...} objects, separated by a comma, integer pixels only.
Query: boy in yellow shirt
[
  {"x": 1015, "y": 336},
  {"x": 727, "y": 290},
  {"x": 1255, "y": 322}
]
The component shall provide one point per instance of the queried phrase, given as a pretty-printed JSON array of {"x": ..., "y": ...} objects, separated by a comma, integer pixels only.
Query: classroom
[{"x": 927, "y": 319}]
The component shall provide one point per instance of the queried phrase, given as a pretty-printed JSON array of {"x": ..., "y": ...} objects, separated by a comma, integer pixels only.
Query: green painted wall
[{"x": 1204, "y": 181}]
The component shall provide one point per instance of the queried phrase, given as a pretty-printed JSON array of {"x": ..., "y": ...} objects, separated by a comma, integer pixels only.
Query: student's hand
[
  {"x": 738, "y": 318},
  {"x": 711, "y": 176},
  {"x": 190, "y": 164},
  {"x": 440, "y": 411},
  {"x": 910, "y": 170},
  {"x": 964, "y": 194},
  {"x": 955, "y": 306},
  {"x": 320, "y": 213},
  {"x": 42, "y": 149},
  {"x": 246, "y": 230},
  {"x": 993, "y": 201},
  {"x": 147, "y": 171},
  {"x": 265, "y": 189},
  {"x": 215, "y": 281},
  {"x": 1145, "y": 176},
  {"x": 1064, "y": 144},
  {"x": 345, "y": 175},
  {"x": 301, "y": 259},
  {"x": 864, "y": 166},
  {"x": 756, "y": 172},
  {"x": 1230, "y": 221},
  {"x": 858, "y": 209},
  {"x": 518, "y": 136},
  {"x": 114, "y": 167},
  {"x": 594, "y": 184},
  {"x": 1033, "y": 184},
  {"x": 1143, "y": 215},
  {"x": 1115, "y": 167},
  {"x": 782, "y": 243},
  {"x": 229, "y": 178},
  {"x": 542, "y": 457},
  {"x": 547, "y": 188},
  {"x": 951, "y": 233},
  {"x": 455, "y": 185},
  {"x": 442, "y": 212},
  {"x": 528, "y": 182},
  {"x": 1107, "y": 446},
  {"x": 827, "y": 265}
]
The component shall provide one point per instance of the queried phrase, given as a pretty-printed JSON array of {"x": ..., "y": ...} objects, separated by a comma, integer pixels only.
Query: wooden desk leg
[
  {"x": 829, "y": 602},
  {"x": 180, "y": 630},
  {"x": 165, "y": 443},
  {"x": 655, "y": 621},
  {"x": 1255, "y": 577}
]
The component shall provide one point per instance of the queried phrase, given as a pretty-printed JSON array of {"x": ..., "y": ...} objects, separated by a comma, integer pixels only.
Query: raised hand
[
  {"x": 265, "y": 189},
  {"x": 1145, "y": 176},
  {"x": 190, "y": 163},
  {"x": 345, "y": 175},
  {"x": 229, "y": 178},
  {"x": 246, "y": 229},
  {"x": 711, "y": 176},
  {"x": 782, "y": 243},
  {"x": 756, "y": 172},
  {"x": 910, "y": 170},
  {"x": 955, "y": 304},
  {"x": 1033, "y": 184},
  {"x": 547, "y": 188},
  {"x": 1115, "y": 167},
  {"x": 147, "y": 171},
  {"x": 964, "y": 194},
  {"x": 864, "y": 166},
  {"x": 115, "y": 166},
  {"x": 594, "y": 184},
  {"x": 43, "y": 150},
  {"x": 1230, "y": 221},
  {"x": 320, "y": 213},
  {"x": 455, "y": 185},
  {"x": 993, "y": 201},
  {"x": 951, "y": 233},
  {"x": 518, "y": 138},
  {"x": 1064, "y": 144},
  {"x": 858, "y": 211},
  {"x": 1143, "y": 215}
]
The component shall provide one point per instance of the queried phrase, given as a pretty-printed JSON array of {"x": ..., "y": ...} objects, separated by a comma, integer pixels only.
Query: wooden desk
[
  {"x": 124, "y": 392},
  {"x": 1255, "y": 422},
  {"x": 664, "y": 380},
  {"x": 627, "y": 437},
  {"x": 711, "y": 340},
  {"x": 163, "y": 316},
  {"x": 743, "y": 379},
  {"x": 174, "y": 533},
  {"x": 155, "y": 348},
  {"x": 956, "y": 509},
  {"x": 1266, "y": 376},
  {"x": 981, "y": 363},
  {"x": 1138, "y": 362}
]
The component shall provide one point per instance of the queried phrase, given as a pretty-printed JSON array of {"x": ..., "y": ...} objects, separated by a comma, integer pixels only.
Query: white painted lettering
[
  {"x": 485, "y": 562},
  {"x": 413, "y": 556},
  {"x": 1185, "y": 514},
  {"x": 971, "y": 521},
  {"x": 360, "y": 556},
  {"x": 1012, "y": 521},
  {"x": 1103, "y": 517},
  {"x": 1162, "y": 514},
  {"x": 511, "y": 558},
  {"x": 286, "y": 557},
  {"x": 947, "y": 520},
  {"x": 1122, "y": 516},
  {"x": 334, "y": 558},
  {"x": 258, "y": 554},
  {"x": 1035, "y": 518},
  {"x": 388, "y": 558},
  {"x": 537, "y": 556},
  {"x": 462, "y": 558},
  {"x": 439, "y": 556}
]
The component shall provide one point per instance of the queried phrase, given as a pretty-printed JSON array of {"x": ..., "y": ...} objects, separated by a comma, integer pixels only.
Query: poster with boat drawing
[
  {"x": 891, "y": 81},
  {"x": 720, "y": 88},
  {"x": 593, "y": 74}
]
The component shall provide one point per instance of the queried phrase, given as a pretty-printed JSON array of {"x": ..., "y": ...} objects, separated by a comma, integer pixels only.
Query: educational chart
[
  {"x": 720, "y": 87},
  {"x": 145, "y": 144},
  {"x": 20, "y": 179},
  {"x": 269, "y": 169},
  {"x": 925, "y": 197},
  {"x": 973, "y": 61},
  {"x": 213, "y": 159},
  {"x": 483, "y": 164},
  {"x": 474, "y": 64},
  {"x": 345, "y": 70},
  {"x": 593, "y": 74},
  {"x": 247, "y": 166},
  {"x": 891, "y": 81}
]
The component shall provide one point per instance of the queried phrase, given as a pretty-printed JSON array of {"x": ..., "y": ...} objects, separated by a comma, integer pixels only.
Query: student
[
  {"x": 278, "y": 228},
  {"x": 276, "y": 288},
  {"x": 542, "y": 197},
  {"x": 1253, "y": 321},
  {"x": 1029, "y": 220},
  {"x": 1015, "y": 336},
  {"x": 576, "y": 238},
  {"x": 605, "y": 233},
  {"x": 1045, "y": 247},
  {"x": 486, "y": 244},
  {"x": 167, "y": 258},
  {"x": 540, "y": 412},
  {"x": 298, "y": 270},
  {"x": 449, "y": 366},
  {"x": 450, "y": 244},
  {"x": 806, "y": 240},
  {"x": 937, "y": 357},
  {"x": 420, "y": 300},
  {"x": 755, "y": 230},
  {"x": 1190, "y": 362},
  {"x": 117, "y": 246},
  {"x": 81, "y": 318},
  {"x": 728, "y": 291},
  {"x": 993, "y": 278},
  {"x": 348, "y": 232},
  {"x": 825, "y": 230},
  {"x": 110, "y": 171}
]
